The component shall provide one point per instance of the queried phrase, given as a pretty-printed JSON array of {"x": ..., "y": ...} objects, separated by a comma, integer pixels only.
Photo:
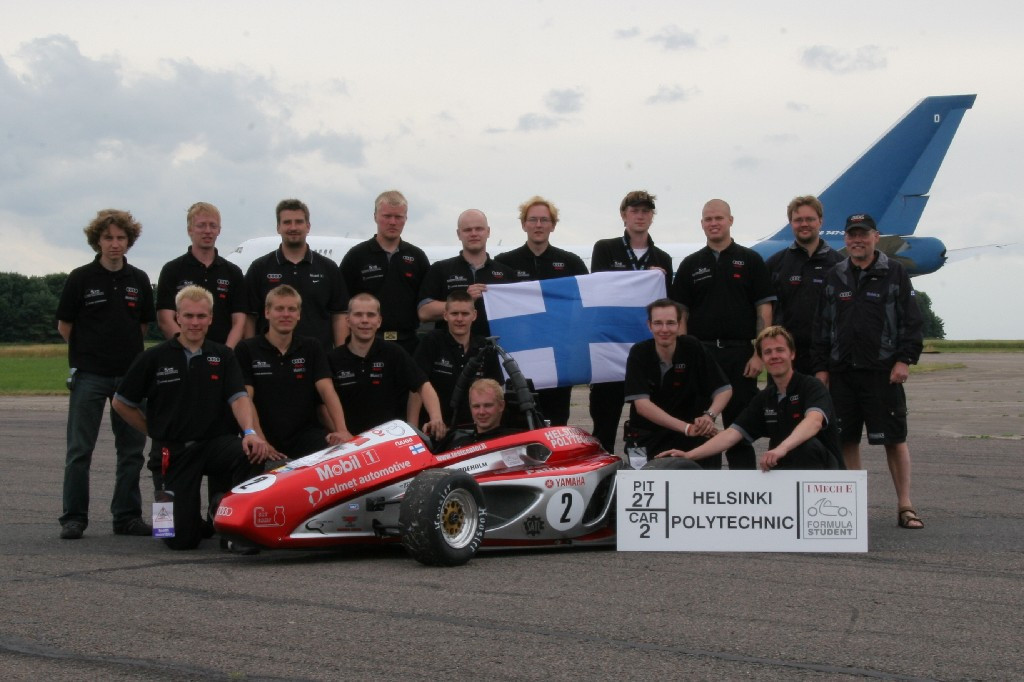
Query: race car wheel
[
  {"x": 442, "y": 517},
  {"x": 671, "y": 463}
]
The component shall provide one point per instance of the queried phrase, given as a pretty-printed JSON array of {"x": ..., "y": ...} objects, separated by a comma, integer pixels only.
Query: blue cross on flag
[{"x": 573, "y": 330}]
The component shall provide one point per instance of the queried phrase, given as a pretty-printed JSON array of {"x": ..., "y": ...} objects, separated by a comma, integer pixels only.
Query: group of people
[{"x": 299, "y": 353}]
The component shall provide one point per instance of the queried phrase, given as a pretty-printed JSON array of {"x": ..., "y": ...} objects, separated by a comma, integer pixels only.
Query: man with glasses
[{"x": 535, "y": 260}]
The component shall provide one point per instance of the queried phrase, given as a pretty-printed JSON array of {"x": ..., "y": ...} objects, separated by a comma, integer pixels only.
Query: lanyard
[{"x": 637, "y": 263}]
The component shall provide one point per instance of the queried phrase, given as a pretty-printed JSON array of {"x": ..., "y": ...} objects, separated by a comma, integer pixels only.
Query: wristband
[
  {"x": 686, "y": 430},
  {"x": 248, "y": 432}
]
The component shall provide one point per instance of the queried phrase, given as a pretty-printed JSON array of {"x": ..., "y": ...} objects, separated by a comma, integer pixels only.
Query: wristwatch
[{"x": 711, "y": 414}]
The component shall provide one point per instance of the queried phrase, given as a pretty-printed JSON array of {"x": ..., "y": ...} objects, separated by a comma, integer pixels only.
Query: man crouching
[{"x": 188, "y": 383}]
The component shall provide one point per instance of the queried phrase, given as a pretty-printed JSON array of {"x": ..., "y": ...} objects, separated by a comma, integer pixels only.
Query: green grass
[
  {"x": 947, "y": 346},
  {"x": 33, "y": 375}
]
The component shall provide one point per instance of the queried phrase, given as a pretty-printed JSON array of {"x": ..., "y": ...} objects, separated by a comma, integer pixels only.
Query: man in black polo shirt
[
  {"x": 103, "y": 314},
  {"x": 634, "y": 250},
  {"x": 471, "y": 270},
  {"x": 288, "y": 379},
  {"x": 673, "y": 385},
  {"x": 202, "y": 265},
  {"x": 443, "y": 353},
  {"x": 373, "y": 377},
  {"x": 391, "y": 269},
  {"x": 794, "y": 411},
  {"x": 727, "y": 294},
  {"x": 798, "y": 276},
  {"x": 195, "y": 405},
  {"x": 536, "y": 260},
  {"x": 317, "y": 279}
]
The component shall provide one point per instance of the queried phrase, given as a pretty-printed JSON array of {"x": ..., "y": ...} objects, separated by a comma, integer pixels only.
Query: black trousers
[
  {"x": 221, "y": 459},
  {"x": 733, "y": 360},
  {"x": 606, "y": 402},
  {"x": 554, "y": 404}
]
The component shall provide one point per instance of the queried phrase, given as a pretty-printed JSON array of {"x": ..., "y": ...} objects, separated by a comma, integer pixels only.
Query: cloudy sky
[{"x": 152, "y": 106}]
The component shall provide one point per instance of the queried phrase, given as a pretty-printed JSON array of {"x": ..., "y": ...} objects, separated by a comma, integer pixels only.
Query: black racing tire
[
  {"x": 668, "y": 463},
  {"x": 442, "y": 517}
]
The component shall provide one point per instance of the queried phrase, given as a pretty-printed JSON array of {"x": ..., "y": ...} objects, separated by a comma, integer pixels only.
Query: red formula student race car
[{"x": 544, "y": 486}]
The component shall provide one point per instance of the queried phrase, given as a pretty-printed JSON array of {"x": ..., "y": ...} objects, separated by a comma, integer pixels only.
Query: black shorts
[{"x": 867, "y": 398}]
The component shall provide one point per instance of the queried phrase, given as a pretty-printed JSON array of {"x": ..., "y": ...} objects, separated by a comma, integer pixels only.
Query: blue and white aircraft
[{"x": 890, "y": 181}]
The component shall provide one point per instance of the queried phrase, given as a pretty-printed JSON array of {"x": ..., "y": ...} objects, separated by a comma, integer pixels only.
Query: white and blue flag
[{"x": 573, "y": 330}]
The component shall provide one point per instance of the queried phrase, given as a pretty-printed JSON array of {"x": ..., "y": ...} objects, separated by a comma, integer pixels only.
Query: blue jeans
[{"x": 91, "y": 393}]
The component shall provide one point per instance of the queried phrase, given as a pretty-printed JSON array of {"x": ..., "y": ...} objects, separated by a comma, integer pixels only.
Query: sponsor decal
[
  {"x": 549, "y": 483},
  {"x": 455, "y": 454},
  {"x": 317, "y": 525},
  {"x": 316, "y": 495},
  {"x": 533, "y": 526},
  {"x": 353, "y": 506},
  {"x": 418, "y": 449},
  {"x": 565, "y": 437},
  {"x": 404, "y": 441},
  {"x": 224, "y": 511},
  {"x": 264, "y": 518},
  {"x": 387, "y": 471},
  {"x": 570, "y": 481},
  {"x": 471, "y": 467},
  {"x": 347, "y": 464}
]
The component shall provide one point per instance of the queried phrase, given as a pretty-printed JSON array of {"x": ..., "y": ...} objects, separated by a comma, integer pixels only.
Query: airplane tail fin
[{"x": 892, "y": 178}]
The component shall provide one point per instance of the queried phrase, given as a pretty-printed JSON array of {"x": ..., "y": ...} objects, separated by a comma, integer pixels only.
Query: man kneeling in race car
[{"x": 487, "y": 406}]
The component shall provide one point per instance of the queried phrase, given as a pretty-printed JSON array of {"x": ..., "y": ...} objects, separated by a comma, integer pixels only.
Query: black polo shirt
[
  {"x": 442, "y": 359},
  {"x": 395, "y": 279},
  {"x": 284, "y": 385},
  {"x": 374, "y": 389},
  {"x": 445, "y": 276},
  {"x": 722, "y": 291},
  {"x": 552, "y": 263},
  {"x": 775, "y": 416},
  {"x": 616, "y": 254},
  {"x": 798, "y": 280},
  {"x": 187, "y": 398},
  {"x": 684, "y": 391},
  {"x": 317, "y": 279},
  {"x": 106, "y": 310},
  {"x": 223, "y": 279}
]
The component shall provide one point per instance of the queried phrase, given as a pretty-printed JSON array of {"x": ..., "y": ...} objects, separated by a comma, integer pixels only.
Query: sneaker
[
  {"x": 134, "y": 527},
  {"x": 72, "y": 530}
]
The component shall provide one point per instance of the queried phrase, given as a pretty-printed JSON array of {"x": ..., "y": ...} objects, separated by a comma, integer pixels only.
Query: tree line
[{"x": 28, "y": 310}]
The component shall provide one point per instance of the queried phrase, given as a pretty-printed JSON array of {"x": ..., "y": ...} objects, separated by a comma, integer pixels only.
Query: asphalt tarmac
[{"x": 945, "y": 603}]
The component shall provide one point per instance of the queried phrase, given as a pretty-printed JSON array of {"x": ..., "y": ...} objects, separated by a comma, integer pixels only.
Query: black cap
[{"x": 860, "y": 221}]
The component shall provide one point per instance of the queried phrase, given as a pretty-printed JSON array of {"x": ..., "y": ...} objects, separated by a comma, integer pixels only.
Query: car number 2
[{"x": 565, "y": 509}]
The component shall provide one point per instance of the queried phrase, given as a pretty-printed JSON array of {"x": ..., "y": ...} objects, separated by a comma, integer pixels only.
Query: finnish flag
[{"x": 573, "y": 330}]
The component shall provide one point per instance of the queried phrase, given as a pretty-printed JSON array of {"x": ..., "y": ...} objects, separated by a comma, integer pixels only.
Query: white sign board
[{"x": 742, "y": 511}]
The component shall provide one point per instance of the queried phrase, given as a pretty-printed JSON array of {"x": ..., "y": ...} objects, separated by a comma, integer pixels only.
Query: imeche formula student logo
[{"x": 828, "y": 510}]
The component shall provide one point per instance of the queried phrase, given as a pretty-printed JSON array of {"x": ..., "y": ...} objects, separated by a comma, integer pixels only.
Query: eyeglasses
[{"x": 538, "y": 221}]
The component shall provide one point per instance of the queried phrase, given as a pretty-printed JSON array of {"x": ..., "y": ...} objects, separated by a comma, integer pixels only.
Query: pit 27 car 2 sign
[{"x": 742, "y": 511}]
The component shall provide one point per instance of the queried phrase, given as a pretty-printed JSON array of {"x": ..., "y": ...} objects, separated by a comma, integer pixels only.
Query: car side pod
[{"x": 442, "y": 517}]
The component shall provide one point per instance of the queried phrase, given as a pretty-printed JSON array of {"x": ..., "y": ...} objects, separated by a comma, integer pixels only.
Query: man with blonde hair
[
  {"x": 188, "y": 395},
  {"x": 288, "y": 379},
  {"x": 391, "y": 269},
  {"x": 203, "y": 265}
]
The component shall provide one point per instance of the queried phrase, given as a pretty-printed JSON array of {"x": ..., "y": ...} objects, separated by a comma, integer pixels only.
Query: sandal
[{"x": 908, "y": 518}]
